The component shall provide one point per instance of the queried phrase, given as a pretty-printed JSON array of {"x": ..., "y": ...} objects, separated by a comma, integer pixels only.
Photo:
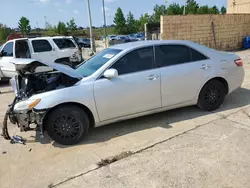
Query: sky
[{"x": 37, "y": 11}]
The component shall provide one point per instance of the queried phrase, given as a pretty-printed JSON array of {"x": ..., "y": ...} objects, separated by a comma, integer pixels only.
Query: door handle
[
  {"x": 152, "y": 77},
  {"x": 205, "y": 66}
]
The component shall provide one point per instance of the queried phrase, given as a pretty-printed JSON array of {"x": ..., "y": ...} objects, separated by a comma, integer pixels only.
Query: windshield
[{"x": 90, "y": 66}]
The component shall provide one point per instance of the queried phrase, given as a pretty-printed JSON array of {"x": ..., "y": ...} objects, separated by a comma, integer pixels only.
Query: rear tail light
[{"x": 238, "y": 62}]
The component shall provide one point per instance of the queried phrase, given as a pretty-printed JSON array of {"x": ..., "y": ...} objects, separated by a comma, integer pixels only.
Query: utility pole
[
  {"x": 45, "y": 19},
  {"x": 184, "y": 11},
  {"x": 104, "y": 25},
  {"x": 92, "y": 40}
]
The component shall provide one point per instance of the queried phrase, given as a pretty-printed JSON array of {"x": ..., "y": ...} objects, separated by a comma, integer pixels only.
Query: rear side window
[
  {"x": 167, "y": 55},
  {"x": 64, "y": 43},
  {"x": 8, "y": 50},
  {"x": 135, "y": 61},
  {"x": 41, "y": 46},
  {"x": 197, "y": 56}
]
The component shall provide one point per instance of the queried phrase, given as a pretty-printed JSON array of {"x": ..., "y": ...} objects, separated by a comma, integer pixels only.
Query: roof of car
[
  {"x": 132, "y": 45},
  {"x": 58, "y": 37}
]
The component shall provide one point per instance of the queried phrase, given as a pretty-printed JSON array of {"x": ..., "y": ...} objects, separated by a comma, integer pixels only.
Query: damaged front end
[
  {"x": 34, "y": 78},
  {"x": 24, "y": 117}
]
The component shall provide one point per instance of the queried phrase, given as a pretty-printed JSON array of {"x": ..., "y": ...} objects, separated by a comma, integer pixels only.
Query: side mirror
[{"x": 111, "y": 73}]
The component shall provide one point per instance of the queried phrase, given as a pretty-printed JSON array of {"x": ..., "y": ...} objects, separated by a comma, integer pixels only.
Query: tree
[
  {"x": 159, "y": 10},
  {"x": 132, "y": 26},
  {"x": 120, "y": 22},
  {"x": 223, "y": 10},
  {"x": 203, "y": 10},
  {"x": 142, "y": 21},
  {"x": 215, "y": 10},
  {"x": 4, "y": 32},
  {"x": 174, "y": 9},
  {"x": 192, "y": 7},
  {"x": 50, "y": 30},
  {"x": 24, "y": 25},
  {"x": 61, "y": 28},
  {"x": 71, "y": 25}
]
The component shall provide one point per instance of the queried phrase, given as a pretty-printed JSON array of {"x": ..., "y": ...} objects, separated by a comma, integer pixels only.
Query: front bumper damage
[{"x": 24, "y": 119}]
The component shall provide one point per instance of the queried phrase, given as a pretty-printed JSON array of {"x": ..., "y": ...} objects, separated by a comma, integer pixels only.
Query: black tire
[
  {"x": 67, "y": 125},
  {"x": 212, "y": 96}
]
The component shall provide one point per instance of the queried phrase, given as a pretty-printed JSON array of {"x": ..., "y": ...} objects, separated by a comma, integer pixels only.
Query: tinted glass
[
  {"x": 8, "y": 50},
  {"x": 197, "y": 56},
  {"x": 90, "y": 66},
  {"x": 41, "y": 46},
  {"x": 135, "y": 61},
  {"x": 64, "y": 43},
  {"x": 167, "y": 55}
]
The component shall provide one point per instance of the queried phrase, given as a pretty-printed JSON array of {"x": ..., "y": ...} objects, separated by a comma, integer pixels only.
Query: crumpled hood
[{"x": 26, "y": 65}]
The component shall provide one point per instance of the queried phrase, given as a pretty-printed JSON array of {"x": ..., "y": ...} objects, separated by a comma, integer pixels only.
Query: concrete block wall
[
  {"x": 238, "y": 6},
  {"x": 229, "y": 29}
]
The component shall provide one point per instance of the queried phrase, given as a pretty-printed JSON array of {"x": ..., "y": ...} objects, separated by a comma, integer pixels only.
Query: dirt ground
[{"x": 178, "y": 148}]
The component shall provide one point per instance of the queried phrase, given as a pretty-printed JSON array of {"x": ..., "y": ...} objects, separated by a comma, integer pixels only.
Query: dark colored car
[
  {"x": 123, "y": 38},
  {"x": 83, "y": 42}
]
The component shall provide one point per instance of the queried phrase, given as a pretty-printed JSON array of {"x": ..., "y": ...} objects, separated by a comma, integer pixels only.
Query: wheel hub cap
[{"x": 67, "y": 127}]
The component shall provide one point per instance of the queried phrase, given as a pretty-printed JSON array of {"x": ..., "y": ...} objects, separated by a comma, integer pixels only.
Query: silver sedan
[{"x": 122, "y": 82}]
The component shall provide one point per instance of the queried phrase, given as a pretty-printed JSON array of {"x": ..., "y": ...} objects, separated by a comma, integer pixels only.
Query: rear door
[
  {"x": 183, "y": 72},
  {"x": 7, "y": 54},
  {"x": 43, "y": 50},
  {"x": 67, "y": 48}
]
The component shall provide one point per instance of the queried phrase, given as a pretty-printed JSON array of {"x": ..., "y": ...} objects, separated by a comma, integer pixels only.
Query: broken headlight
[{"x": 26, "y": 105}]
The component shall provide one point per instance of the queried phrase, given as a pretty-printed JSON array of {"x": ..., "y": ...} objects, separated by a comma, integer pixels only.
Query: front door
[
  {"x": 43, "y": 51},
  {"x": 7, "y": 68},
  {"x": 183, "y": 72},
  {"x": 136, "y": 89}
]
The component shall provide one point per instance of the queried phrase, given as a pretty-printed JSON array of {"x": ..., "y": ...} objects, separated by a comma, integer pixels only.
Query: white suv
[{"x": 58, "y": 49}]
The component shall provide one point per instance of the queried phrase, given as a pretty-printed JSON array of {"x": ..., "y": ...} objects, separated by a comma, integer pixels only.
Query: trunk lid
[{"x": 32, "y": 65}]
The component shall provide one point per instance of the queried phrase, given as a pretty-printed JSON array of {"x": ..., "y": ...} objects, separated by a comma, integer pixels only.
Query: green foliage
[
  {"x": 61, "y": 28},
  {"x": 203, "y": 10},
  {"x": 24, "y": 25},
  {"x": 71, "y": 25},
  {"x": 120, "y": 22},
  {"x": 132, "y": 25},
  {"x": 50, "y": 30},
  {"x": 142, "y": 21},
  {"x": 223, "y": 10},
  {"x": 215, "y": 10},
  {"x": 191, "y": 7},
  {"x": 174, "y": 9},
  {"x": 48, "y": 26},
  {"x": 159, "y": 10},
  {"x": 4, "y": 32}
]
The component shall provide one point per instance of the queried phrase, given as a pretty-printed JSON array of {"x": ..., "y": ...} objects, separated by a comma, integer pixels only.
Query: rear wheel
[
  {"x": 212, "y": 95},
  {"x": 67, "y": 125}
]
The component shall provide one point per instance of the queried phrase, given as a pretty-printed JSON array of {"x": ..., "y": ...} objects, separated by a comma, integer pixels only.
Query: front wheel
[
  {"x": 67, "y": 125},
  {"x": 212, "y": 95}
]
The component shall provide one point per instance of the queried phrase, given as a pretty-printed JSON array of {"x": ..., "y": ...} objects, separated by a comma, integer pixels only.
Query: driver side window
[
  {"x": 7, "y": 50},
  {"x": 138, "y": 60}
]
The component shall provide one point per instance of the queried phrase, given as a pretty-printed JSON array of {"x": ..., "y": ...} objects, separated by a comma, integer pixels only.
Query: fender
[{"x": 67, "y": 95}]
